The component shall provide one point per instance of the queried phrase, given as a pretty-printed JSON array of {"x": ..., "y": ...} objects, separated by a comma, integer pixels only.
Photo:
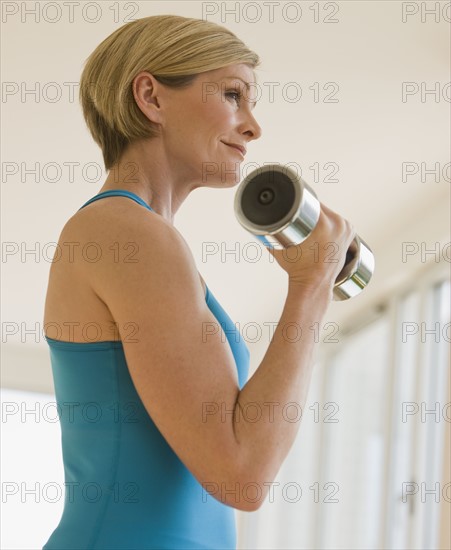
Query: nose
[{"x": 252, "y": 128}]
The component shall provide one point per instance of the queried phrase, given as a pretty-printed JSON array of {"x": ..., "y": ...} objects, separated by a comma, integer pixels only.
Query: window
[{"x": 369, "y": 454}]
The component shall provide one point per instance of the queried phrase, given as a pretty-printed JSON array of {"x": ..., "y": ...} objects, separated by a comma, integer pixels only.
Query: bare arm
[
  {"x": 282, "y": 377},
  {"x": 176, "y": 370},
  {"x": 284, "y": 374}
]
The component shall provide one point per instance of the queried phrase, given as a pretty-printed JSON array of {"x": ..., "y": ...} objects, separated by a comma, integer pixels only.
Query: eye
[{"x": 235, "y": 93}]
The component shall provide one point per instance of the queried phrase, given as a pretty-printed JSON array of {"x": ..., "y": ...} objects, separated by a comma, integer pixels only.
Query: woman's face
[{"x": 199, "y": 121}]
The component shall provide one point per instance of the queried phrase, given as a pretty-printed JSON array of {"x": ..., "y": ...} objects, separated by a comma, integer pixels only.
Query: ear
[{"x": 148, "y": 93}]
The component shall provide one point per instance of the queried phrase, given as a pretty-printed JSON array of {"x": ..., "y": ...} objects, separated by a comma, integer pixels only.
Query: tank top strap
[{"x": 118, "y": 193}]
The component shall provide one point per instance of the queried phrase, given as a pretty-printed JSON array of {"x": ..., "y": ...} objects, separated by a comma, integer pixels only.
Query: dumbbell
[{"x": 280, "y": 209}]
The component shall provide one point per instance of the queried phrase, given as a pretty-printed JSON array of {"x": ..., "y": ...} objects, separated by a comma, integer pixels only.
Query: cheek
[
  {"x": 218, "y": 113},
  {"x": 203, "y": 123}
]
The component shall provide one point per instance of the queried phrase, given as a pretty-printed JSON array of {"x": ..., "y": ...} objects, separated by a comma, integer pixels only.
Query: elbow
[
  {"x": 238, "y": 485},
  {"x": 246, "y": 492},
  {"x": 242, "y": 502},
  {"x": 245, "y": 495},
  {"x": 252, "y": 494},
  {"x": 251, "y": 506}
]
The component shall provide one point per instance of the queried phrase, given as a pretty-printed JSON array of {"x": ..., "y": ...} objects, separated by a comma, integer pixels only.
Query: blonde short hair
[{"x": 173, "y": 49}]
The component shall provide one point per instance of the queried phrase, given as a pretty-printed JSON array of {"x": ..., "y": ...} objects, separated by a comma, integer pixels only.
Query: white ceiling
[{"x": 369, "y": 133}]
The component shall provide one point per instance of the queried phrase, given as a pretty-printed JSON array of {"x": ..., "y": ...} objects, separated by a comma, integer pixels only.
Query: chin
[{"x": 230, "y": 180}]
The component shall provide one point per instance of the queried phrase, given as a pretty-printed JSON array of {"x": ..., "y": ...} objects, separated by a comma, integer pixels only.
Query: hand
[{"x": 318, "y": 260}]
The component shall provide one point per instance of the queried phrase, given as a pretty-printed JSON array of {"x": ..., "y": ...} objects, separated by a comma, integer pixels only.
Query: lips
[{"x": 240, "y": 148}]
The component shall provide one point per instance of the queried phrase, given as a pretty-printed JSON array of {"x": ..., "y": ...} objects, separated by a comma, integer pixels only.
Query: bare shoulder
[
  {"x": 114, "y": 230},
  {"x": 103, "y": 241},
  {"x": 122, "y": 244},
  {"x": 112, "y": 214}
]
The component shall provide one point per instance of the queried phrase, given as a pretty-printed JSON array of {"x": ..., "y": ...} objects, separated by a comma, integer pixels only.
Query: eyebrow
[{"x": 254, "y": 103}]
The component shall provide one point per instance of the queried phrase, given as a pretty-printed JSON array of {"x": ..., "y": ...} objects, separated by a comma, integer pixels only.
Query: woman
[{"x": 158, "y": 449}]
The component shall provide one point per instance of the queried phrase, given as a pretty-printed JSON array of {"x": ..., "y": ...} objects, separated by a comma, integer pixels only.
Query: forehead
[{"x": 239, "y": 70}]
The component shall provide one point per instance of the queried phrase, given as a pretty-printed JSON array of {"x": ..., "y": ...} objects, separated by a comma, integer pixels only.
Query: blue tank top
[{"x": 125, "y": 488}]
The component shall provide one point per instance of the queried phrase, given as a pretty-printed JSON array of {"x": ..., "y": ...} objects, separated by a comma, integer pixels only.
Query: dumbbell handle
[{"x": 298, "y": 224}]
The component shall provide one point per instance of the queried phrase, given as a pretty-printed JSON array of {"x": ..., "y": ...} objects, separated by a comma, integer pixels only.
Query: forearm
[{"x": 262, "y": 425}]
